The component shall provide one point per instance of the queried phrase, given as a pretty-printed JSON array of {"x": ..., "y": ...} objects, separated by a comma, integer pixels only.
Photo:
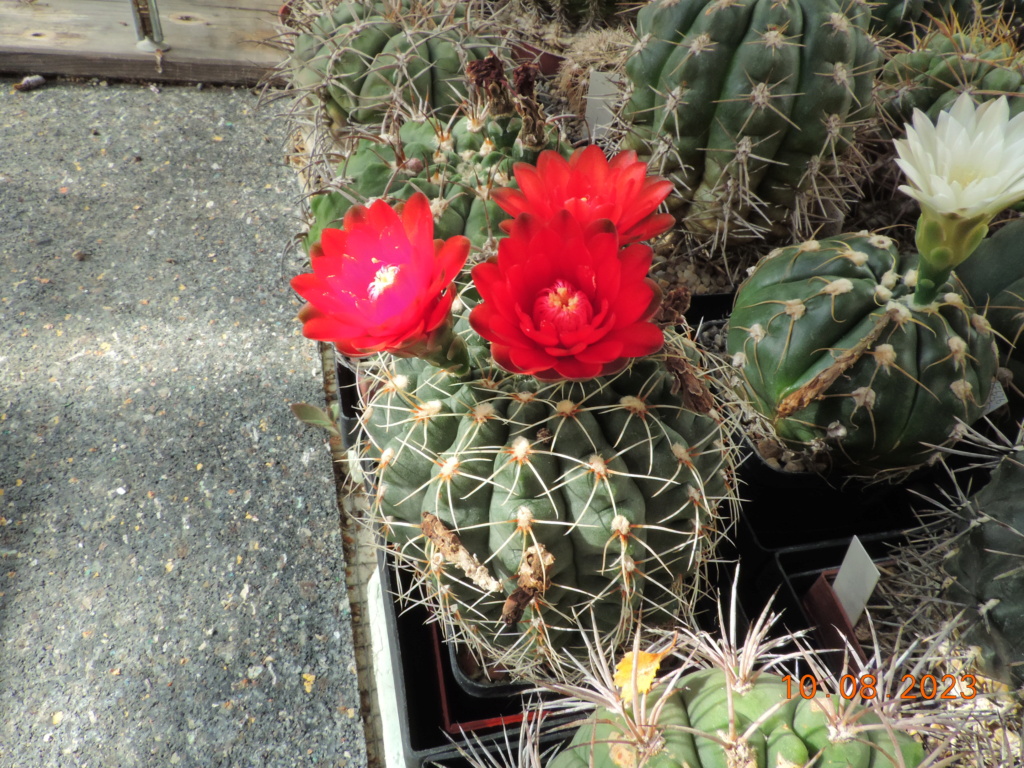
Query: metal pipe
[{"x": 147, "y": 26}]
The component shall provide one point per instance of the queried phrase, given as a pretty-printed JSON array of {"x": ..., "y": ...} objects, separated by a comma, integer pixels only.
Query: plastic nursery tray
[{"x": 435, "y": 713}]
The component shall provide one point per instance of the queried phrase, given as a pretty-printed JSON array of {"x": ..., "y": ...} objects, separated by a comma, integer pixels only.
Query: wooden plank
[{"x": 211, "y": 42}]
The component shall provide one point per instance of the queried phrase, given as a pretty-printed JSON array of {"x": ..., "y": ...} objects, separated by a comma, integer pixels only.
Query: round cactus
[
  {"x": 994, "y": 281},
  {"x": 834, "y": 351},
  {"x": 522, "y": 505},
  {"x": 901, "y": 18},
  {"x": 363, "y": 59},
  {"x": 709, "y": 722},
  {"x": 987, "y": 578},
  {"x": 749, "y": 107},
  {"x": 456, "y": 164},
  {"x": 982, "y": 60}
]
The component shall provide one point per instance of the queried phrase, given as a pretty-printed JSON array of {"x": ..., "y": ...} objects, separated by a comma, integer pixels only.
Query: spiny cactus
[
  {"x": 986, "y": 566},
  {"x": 456, "y": 164},
  {"x": 982, "y": 59},
  {"x": 994, "y": 283},
  {"x": 738, "y": 710},
  {"x": 573, "y": 14},
  {"x": 521, "y": 504},
  {"x": 833, "y": 350},
  {"x": 363, "y": 58},
  {"x": 902, "y": 18},
  {"x": 749, "y": 107}
]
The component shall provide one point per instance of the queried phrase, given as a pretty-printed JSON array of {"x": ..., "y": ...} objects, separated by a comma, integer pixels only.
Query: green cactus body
[
  {"x": 942, "y": 66},
  {"x": 455, "y": 165},
  {"x": 599, "y": 495},
  {"x": 574, "y": 14},
  {"x": 748, "y": 106},
  {"x": 363, "y": 59},
  {"x": 833, "y": 350},
  {"x": 696, "y": 718},
  {"x": 994, "y": 282},
  {"x": 985, "y": 564}
]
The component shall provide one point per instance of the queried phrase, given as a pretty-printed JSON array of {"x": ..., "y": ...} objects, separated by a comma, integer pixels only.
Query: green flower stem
[{"x": 944, "y": 241}]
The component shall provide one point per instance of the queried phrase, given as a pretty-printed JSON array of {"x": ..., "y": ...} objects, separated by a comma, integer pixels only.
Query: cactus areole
[
  {"x": 833, "y": 349},
  {"x": 523, "y": 504}
]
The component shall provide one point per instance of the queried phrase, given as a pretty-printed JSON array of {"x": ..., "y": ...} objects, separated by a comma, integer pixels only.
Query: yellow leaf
[
  {"x": 307, "y": 681},
  {"x": 646, "y": 669}
]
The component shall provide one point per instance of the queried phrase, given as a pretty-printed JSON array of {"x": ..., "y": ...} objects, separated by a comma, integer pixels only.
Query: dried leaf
[
  {"x": 512, "y": 611},
  {"x": 451, "y": 548},
  {"x": 646, "y": 670}
]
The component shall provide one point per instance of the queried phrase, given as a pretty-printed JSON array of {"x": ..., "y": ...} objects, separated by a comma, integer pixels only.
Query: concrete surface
[{"x": 171, "y": 574}]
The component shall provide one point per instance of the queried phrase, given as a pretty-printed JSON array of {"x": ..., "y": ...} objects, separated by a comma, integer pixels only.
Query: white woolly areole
[
  {"x": 523, "y": 397},
  {"x": 457, "y": 305},
  {"x": 901, "y": 311},
  {"x": 481, "y": 412},
  {"x": 524, "y": 519},
  {"x": 838, "y": 287},
  {"x": 449, "y": 468},
  {"x": 386, "y": 457},
  {"x": 427, "y": 410},
  {"x": 981, "y": 324},
  {"x": 397, "y": 383},
  {"x": 910, "y": 278},
  {"x": 633, "y": 404},
  {"x": 521, "y": 449},
  {"x": 438, "y": 206},
  {"x": 809, "y": 246},
  {"x": 620, "y": 526},
  {"x": 681, "y": 452},
  {"x": 955, "y": 299},
  {"x": 890, "y": 278},
  {"x": 598, "y": 465},
  {"x": 882, "y": 293},
  {"x": 864, "y": 397},
  {"x": 756, "y": 332},
  {"x": 739, "y": 359},
  {"x": 773, "y": 253},
  {"x": 859, "y": 258},
  {"x": 963, "y": 390},
  {"x": 885, "y": 355},
  {"x": 566, "y": 408},
  {"x": 795, "y": 308},
  {"x": 880, "y": 241},
  {"x": 958, "y": 350},
  {"x": 628, "y": 564}
]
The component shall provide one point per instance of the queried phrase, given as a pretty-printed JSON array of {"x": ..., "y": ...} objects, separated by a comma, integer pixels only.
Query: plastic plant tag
[
  {"x": 855, "y": 581},
  {"x": 997, "y": 398},
  {"x": 601, "y": 90}
]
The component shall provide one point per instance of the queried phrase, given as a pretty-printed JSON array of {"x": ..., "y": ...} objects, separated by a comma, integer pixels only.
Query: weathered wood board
[{"x": 212, "y": 41}]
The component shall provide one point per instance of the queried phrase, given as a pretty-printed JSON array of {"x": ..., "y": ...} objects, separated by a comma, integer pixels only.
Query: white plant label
[
  {"x": 601, "y": 92},
  {"x": 856, "y": 580}
]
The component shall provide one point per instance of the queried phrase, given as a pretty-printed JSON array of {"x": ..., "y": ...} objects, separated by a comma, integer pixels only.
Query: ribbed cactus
[
  {"x": 706, "y": 723},
  {"x": 901, "y": 18},
  {"x": 982, "y": 60},
  {"x": 521, "y": 504},
  {"x": 364, "y": 58},
  {"x": 834, "y": 351},
  {"x": 456, "y": 164},
  {"x": 574, "y": 14},
  {"x": 749, "y": 107},
  {"x": 986, "y": 566},
  {"x": 994, "y": 283}
]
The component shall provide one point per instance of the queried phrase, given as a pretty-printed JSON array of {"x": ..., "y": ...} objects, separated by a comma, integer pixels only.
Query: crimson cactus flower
[
  {"x": 590, "y": 188},
  {"x": 382, "y": 283},
  {"x": 563, "y": 301}
]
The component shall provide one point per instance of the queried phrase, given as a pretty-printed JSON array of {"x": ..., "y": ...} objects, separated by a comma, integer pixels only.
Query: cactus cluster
[
  {"x": 981, "y": 59},
  {"x": 455, "y": 163},
  {"x": 749, "y": 107},
  {"x": 904, "y": 18},
  {"x": 523, "y": 505},
  {"x": 361, "y": 59},
  {"x": 833, "y": 350}
]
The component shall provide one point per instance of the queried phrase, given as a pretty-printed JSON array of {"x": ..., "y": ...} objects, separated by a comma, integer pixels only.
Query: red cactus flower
[
  {"x": 590, "y": 188},
  {"x": 381, "y": 283},
  {"x": 562, "y": 301}
]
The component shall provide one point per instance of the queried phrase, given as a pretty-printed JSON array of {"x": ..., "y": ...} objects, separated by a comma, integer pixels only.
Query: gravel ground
[{"x": 172, "y": 583}]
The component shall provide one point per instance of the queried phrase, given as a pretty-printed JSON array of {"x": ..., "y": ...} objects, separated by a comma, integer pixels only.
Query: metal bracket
[{"x": 147, "y": 26}]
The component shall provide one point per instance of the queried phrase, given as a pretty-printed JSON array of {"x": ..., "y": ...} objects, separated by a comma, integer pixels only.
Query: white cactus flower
[{"x": 970, "y": 163}]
